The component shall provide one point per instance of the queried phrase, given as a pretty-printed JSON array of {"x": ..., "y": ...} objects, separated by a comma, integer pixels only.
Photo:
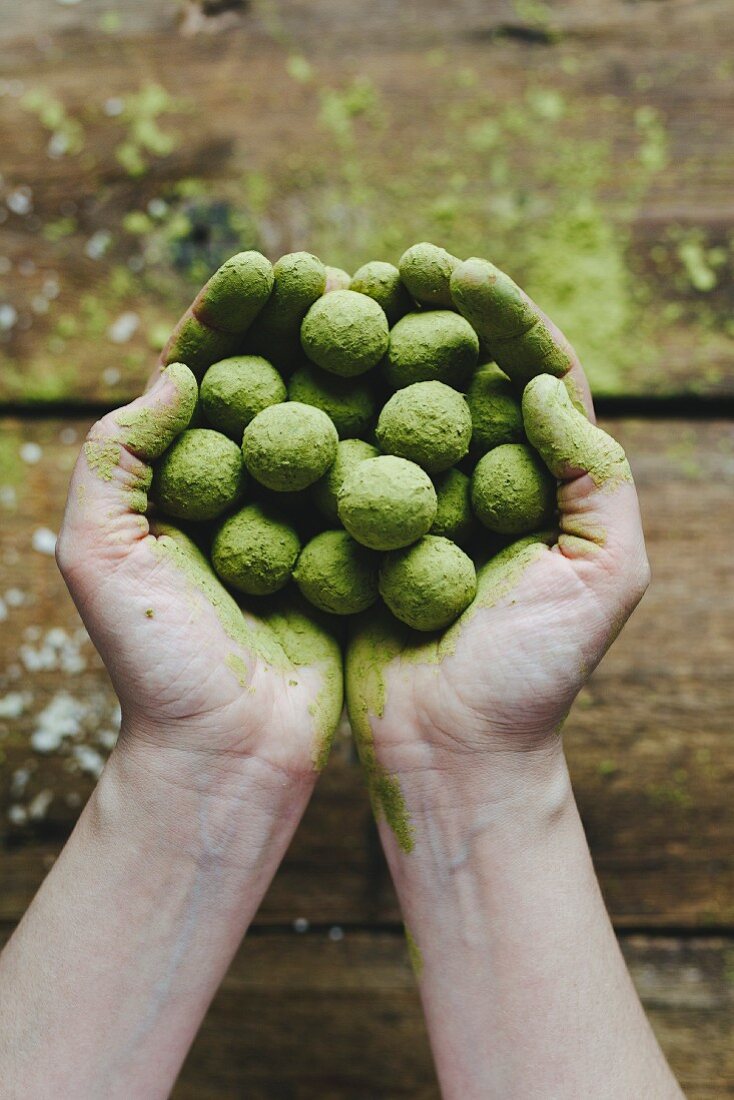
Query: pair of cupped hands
[{"x": 207, "y": 688}]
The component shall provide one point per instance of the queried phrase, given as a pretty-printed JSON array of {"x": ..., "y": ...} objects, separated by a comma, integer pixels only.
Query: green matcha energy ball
[
  {"x": 287, "y": 447},
  {"x": 349, "y": 454},
  {"x": 382, "y": 282},
  {"x": 345, "y": 333},
  {"x": 255, "y": 551},
  {"x": 428, "y": 585},
  {"x": 426, "y": 271},
  {"x": 299, "y": 279},
  {"x": 336, "y": 279},
  {"x": 387, "y": 502},
  {"x": 495, "y": 411},
  {"x": 349, "y": 402},
  {"x": 428, "y": 423},
  {"x": 235, "y": 390},
  {"x": 199, "y": 476},
  {"x": 512, "y": 492},
  {"x": 336, "y": 574},
  {"x": 454, "y": 517},
  {"x": 435, "y": 344}
]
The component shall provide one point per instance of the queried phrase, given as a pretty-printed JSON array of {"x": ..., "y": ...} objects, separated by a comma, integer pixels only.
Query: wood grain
[
  {"x": 262, "y": 145},
  {"x": 649, "y": 739}
]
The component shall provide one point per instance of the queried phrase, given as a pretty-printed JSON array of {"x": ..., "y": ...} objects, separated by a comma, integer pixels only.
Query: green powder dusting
[
  {"x": 376, "y": 642},
  {"x": 103, "y": 457},
  {"x": 509, "y": 324},
  {"x": 299, "y": 279},
  {"x": 234, "y": 662},
  {"x": 236, "y": 293},
  {"x": 566, "y": 440},
  {"x": 149, "y": 612},
  {"x": 426, "y": 271},
  {"x": 414, "y": 953},
  {"x": 197, "y": 345},
  {"x": 428, "y": 423},
  {"x": 151, "y": 430}
]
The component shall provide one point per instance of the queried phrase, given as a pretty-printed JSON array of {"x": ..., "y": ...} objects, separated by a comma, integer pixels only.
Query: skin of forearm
[
  {"x": 106, "y": 980},
  {"x": 525, "y": 991}
]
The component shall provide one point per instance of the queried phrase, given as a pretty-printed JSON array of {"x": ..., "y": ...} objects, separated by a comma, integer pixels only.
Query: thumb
[
  {"x": 600, "y": 524},
  {"x": 108, "y": 495}
]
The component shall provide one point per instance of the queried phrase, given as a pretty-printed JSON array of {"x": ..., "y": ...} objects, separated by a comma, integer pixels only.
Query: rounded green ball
[
  {"x": 387, "y": 502},
  {"x": 382, "y": 282},
  {"x": 349, "y": 454},
  {"x": 345, "y": 333},
  {"x": 428, "y": 423},
  {"x": 512, "y": 492},
  {"x": 233, "y": 391},
  {"x": 454, "y": 517},
  {"x": 495, "y": 411},
  {"x": 435, "y": 344},
  {"x": 426, "y": 271},
  {"x": 427, "y": 586},
  {"x": 255, "y": 551},
  {"x": 350, "y": 403},
  {"x": 290, "y": 446},
  {"x": 336, "y": 279},
  {"x": 336, "y": 574},
  {"x": 199, "y": 476}
]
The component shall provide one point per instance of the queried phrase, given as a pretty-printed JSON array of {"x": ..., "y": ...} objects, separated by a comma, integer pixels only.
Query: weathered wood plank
[
  {"x": 317, "y": 1016},
  {"x": 649, "y": 739},
  {"x": 582, "y": 148}
]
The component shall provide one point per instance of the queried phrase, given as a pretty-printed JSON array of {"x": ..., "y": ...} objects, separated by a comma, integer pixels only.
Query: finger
[
  {"x": 600, "y": 518},
  {"x": 221, "y": 312},
  {"x": 521, "y": 339},
  {"x": 108, "y": 495}
]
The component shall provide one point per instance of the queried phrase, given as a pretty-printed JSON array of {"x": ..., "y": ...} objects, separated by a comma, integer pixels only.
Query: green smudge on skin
[
  {"x": 566, "y": 440},
  {"x": 236, "y": 293},
  {"x": 235, "y": 663},
  {"x": 103, "y": 457},
  {"x": 149, "y": 612},
  {"x": 197, "y": 345},
  {"x": 510, "y": 324},
  {"x": 152, "y": 429},
  {"x": 414, "y": 953},
  {"x": 284, "y": 638}
]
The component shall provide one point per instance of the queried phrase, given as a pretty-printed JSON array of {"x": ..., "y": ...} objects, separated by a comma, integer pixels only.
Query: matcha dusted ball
[
  {"x": 426, "y": 271},
  {"x": 255, "y": 551},
  {"x": 495, "y": 411},
  {"x": 345, "y": 333},
  {"x": 298, "y": 280},
  {"x": 349, "y": 402},
  {"x": 428, "y": 423},
  {"x": 435, "y": 344},
  {"x": 387, "y": 502},
  {"x": 349, "y": 454},
  {"x": 428, "y": 585},
  {"x": 336, "y": 279},
  {"x": 235, "y": 390},
  {"x": 454, "y": 518},
  {"x": 287, "y": 447},
  {"x": 199, "y": 476},
  {"x": 512, "y": 492},
  {"x": 336, "y": 574},
  {"x": 382, "y": 282}
]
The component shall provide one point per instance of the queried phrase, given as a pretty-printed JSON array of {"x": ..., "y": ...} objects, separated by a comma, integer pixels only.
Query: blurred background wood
[{"x": 583, "y": 146}]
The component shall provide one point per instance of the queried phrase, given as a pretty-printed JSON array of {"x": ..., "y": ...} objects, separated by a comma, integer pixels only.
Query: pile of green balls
[{"x": 352, "y": 441}]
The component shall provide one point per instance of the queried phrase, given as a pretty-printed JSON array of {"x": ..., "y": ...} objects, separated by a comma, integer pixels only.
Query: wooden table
[{"x": 140, "y": 143}]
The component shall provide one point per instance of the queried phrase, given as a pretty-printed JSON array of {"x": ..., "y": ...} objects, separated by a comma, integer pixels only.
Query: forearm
[
  {"x": 105, "y": 982},
  {"x": 525, "y": 991}
]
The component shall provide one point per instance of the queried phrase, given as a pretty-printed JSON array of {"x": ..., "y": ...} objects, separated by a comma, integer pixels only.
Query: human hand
[
  {"x": 470, "y": 716},
  {"x": 209, "y": 687}
]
